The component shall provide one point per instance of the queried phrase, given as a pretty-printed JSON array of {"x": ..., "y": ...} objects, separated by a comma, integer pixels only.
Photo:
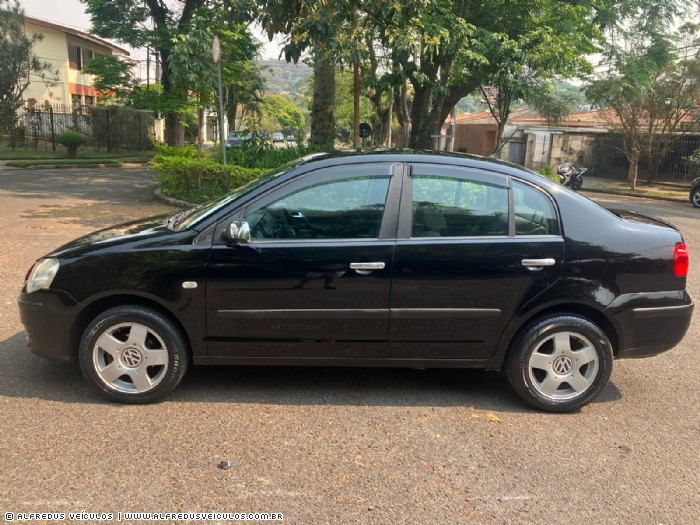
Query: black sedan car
[
  {"x": 382, "y": 259},
  {"x": 694, "y": 195}
]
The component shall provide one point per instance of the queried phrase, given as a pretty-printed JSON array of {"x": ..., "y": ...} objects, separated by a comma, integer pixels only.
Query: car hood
[{"x": 144, "y": 229}]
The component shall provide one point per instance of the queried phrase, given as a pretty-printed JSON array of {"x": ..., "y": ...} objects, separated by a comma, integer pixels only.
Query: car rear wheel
[
  {"x": 132, "y": 354},
  {"x": 560, "y": 363},
  {"x": 695, "y": 197}
]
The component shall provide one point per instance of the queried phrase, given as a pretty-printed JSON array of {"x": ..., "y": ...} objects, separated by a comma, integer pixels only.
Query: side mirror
[{"x": 238, "y": 232}]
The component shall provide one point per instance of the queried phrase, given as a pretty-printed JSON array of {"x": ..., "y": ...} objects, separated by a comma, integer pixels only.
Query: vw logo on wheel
[
  {"x": 131, "y": 358},
  {"x": 563, "y": 365}
]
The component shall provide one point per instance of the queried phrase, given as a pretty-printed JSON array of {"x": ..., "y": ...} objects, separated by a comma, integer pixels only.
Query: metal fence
[
  {"x": 610, "y": 160},
  {"x": 109, "y": 128}
]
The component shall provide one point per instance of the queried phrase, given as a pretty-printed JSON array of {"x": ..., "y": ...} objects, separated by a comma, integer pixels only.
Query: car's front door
[
  {"x": 314, "y": 279},
  {"x": 472, "y": 248}
]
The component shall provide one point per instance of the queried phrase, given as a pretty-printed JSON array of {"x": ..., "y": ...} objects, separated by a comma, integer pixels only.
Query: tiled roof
[
  {"x": 76, "y": 32},
  {"x": 530, "y": 117}
]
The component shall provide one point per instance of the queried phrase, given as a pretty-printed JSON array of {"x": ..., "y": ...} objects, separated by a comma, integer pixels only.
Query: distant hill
[{"x": 287, "y": 79}]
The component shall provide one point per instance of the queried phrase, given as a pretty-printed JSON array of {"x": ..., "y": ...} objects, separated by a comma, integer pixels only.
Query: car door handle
[
  {"x": 365, "y": 268},
  {"x": 535, "y": 265}
]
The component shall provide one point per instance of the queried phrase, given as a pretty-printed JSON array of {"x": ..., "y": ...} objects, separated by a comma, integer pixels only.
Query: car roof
[{"x": 338, "y": 157}]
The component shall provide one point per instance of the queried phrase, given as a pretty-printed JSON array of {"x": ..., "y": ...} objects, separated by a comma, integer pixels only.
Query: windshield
[{"x": 190, "y": 218}]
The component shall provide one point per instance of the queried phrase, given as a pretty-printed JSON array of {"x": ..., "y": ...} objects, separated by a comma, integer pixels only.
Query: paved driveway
[{"x": 329, "y": 445}]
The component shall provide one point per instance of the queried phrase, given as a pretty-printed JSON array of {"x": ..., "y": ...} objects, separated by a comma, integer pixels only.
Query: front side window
[
  {"x": 340, "y": 209},
  {"x": 454, "y": 207}
]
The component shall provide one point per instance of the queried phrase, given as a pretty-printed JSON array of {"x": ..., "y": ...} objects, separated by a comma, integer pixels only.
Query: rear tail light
[{"x": 680, "y": 260}]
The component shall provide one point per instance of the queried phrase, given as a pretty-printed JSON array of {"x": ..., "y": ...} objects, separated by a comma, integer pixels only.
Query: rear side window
[
  {"x": 455, "y": 207},
  {"x": 534, "y": 211}
]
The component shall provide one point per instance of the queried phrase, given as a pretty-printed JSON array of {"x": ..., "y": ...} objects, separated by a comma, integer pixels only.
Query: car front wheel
[
  {"x": 132, "y": 354},
  {"x": 560, "y": 363}
]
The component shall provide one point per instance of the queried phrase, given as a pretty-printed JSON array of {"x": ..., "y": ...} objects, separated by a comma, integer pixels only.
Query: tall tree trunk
[
  {"x": 421, "y": 119},
  {"x": 174, "y": 126},
  {"x": 174, "y": 130},
  {"x": 323, "y": 105},
  {"x": 200, "y": 129},
  {"x": 633, "y": 169},
  {"x": 403, "y": 115}
]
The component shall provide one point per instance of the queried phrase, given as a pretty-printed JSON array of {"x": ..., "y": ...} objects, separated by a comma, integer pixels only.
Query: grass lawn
[
  {"x": 643, "y": 190},
  {"x": 8, "y": 154},
  {"x": 75, "y": 162}
]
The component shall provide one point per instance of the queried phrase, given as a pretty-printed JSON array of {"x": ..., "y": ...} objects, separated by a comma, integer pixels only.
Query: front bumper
[
  {"x": 48, "y": 316},
  {"x": 651, "y": 323}
]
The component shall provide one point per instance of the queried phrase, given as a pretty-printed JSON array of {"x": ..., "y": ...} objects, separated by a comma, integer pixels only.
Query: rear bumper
[
  {"x": 652, "y": 323},
  {"x": 48, "y": 317}
]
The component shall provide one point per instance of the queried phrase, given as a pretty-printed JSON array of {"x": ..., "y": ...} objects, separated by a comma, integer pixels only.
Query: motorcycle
[{"x": 571, "y": 176}]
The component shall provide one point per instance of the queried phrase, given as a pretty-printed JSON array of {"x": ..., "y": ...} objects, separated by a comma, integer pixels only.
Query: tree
[
  {"x": 113, "y": 76},
  {"x": 18, "y": 64},
  {"x": 651, "y": 90},
  {"x": 191, "y": 64},
  {"x": 242, "y": 77},
  {"x": 163, "y": 25},
  {"x": 279, "y": 114},
  {"x": 330, "y": 29}
]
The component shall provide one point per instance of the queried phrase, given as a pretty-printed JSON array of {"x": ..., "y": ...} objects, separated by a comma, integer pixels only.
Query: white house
[{"x": 68, "y": 50}]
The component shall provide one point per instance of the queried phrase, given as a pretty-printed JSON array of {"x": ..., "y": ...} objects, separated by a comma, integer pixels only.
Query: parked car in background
[
  {"x": 382, "y": 259},
  {"x": 277, "y": 137},
  {"x": 237, "y": 138},
  {"x": 695, "y": 193}
]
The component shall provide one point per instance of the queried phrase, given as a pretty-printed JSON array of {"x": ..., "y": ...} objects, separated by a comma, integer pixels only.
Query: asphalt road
[{"x": 330, "y": 445}]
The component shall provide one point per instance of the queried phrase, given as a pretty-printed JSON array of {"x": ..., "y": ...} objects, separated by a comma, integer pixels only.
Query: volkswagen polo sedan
[{"x": 381, "y": 259}]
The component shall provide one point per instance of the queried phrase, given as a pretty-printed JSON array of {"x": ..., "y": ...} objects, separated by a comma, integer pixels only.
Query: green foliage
[
  {"x": 188, "y": 152},
  {"x": 551, "y": 102},
  {"x": 190, "y": 59},
  {"x": 72, "y": 141},
  {"x": 548, "y": 173},
  {"x": 652, "y": 87},
  {"x": 112, "y": 75},
  {"x": 278, "y": 157},
  {"x": 693, "y": 162},
  {"x": 186, "y": 175},
  {"x": 18, "y": 64},
  {"x": 181, "y": 32},
  {"x": 279, "y": 114},
  {"x": 198, "y": 180}
]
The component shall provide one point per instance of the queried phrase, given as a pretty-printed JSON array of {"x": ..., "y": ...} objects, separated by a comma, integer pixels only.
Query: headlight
[{"x": 42, "y": 275}]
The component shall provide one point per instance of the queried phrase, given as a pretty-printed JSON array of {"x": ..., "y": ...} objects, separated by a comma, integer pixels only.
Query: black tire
[
  {"x": 559, "y": 363},
  {"x": 123, "y": 339},
  {"x": 577, "y": 184},
  {"x": 695, "y": 197}
]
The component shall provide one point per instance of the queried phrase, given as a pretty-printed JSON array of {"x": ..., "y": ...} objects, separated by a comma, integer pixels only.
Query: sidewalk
[{"x": 666, "y": 192}]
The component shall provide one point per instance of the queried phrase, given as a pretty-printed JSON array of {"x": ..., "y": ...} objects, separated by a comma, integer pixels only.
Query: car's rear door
[
  {"x": 473, "y": 247},
  {"x": 314, "y": 280}
]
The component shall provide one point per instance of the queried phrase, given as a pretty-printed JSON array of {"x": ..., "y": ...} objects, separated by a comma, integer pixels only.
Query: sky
[{"x": 72, "y": 13}]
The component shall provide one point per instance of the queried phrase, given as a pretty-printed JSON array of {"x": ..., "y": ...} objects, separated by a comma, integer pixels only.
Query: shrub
[
  {"x": 199, "y": 180},
  {"x": 693, "y": 163},
  {"x": 72, "y": 141},
  {"x": 548, "y": 173}
]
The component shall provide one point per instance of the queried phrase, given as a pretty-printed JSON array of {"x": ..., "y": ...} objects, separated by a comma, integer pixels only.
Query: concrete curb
[
  {"x": 629, "y": 194},
  {"x": 161, "y": 197},
  {"x": 124, "y": 165}
]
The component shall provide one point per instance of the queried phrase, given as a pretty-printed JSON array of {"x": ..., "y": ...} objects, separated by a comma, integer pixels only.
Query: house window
[
  {"x": 73, "y": 56},
  {"x": 89, "y": 101},
  {"x": 86, "y": 56},
  {"x": 79, "y": 57},
  {"x": 76, "y": 101}
]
